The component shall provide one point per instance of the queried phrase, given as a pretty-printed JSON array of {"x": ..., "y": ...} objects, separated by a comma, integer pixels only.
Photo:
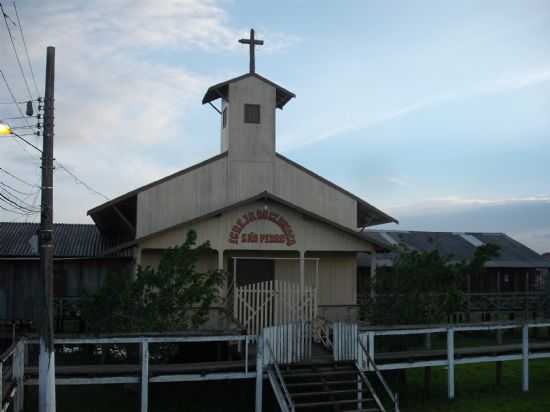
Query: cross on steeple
[{"x": 252, "y": 42}]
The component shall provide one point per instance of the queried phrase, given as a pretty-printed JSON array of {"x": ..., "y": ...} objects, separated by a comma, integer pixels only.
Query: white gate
[
  {"x": 274, "y": 302},
  {"x": 286, "y": 344}
]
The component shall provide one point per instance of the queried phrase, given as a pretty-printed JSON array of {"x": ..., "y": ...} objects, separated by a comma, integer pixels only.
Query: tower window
[
  {"x": 224, "y": 118},
  {"x": 252, "y": 113}
]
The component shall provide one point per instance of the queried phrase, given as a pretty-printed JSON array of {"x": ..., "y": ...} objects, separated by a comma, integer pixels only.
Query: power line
[
  {"x": 20, "y": 202},
  {"x": 13, "y": 203},
  {"x": 21, "y": 102},
  {"x": 9, "y": 187},
  {"x": 14, "y": 100},
  {"x": 15, "y": 51},
  {"x": 81, "y": 182},
  {"x": 25, "y": 47},
  {"x": 19, "y": 179}
]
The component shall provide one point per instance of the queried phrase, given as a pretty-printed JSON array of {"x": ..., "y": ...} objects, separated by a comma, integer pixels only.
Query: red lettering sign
[{"x": 237, "y": 235}]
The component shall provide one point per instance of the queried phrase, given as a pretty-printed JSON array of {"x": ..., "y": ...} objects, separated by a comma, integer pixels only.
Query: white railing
[
  {"x": 447, "y": 357},
  {"x": 12, "y": 370},
  {"x": 145, "y": 377},
  {"x": 394, "y": 397},
  {"x": 277, "y": 382}
]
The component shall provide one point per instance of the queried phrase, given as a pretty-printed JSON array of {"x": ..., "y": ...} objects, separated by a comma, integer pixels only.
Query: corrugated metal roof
[
  {"x": 71, "y": 240},
  {"x": 511, "y": 254}
]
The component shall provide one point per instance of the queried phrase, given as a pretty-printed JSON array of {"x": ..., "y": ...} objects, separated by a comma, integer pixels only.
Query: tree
[
  {"x": 423, "y": 287},
  {"x": 172, "y": 297}
]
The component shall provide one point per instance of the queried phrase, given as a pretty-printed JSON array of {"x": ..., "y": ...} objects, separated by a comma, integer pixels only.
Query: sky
[{"x": 438, "y": 113}]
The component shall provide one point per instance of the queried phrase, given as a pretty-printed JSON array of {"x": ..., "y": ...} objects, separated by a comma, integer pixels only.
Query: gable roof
[
  {"x": 461, "y": 246},
  {"x": 261, "y": 196},
  {"x": 221, "y": 90},
  {"x": 110, "y": 218},
  {"x": 367, "y": 214},
  {"x": 71, "y": 241}
]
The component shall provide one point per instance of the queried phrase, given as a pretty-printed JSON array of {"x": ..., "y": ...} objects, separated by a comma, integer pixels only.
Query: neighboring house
[
  {"x": 81, "y": 261},
  {"x": 515, "y": 284}
]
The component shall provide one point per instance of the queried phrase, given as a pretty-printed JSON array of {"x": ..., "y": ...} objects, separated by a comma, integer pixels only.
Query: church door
[{"x": 254, "y": 271}]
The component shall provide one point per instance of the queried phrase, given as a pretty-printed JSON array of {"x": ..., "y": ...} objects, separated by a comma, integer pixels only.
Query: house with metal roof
[
  {"x": 514, "y": 284},
  {"x": 81, "y": 262}
]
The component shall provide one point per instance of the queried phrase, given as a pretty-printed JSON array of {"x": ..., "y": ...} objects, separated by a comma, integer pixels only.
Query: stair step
[
  {"x": 292, "y": 372},
  {"x": 298, "y": 384},
  {"x": 323, "y": 373},
  {"x": 329, "y": 392},
  {"x": 363, "y": 410},
  {"x": 325, "y": 403}
]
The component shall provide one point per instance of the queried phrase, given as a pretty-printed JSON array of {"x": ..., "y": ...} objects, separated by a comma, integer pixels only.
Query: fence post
[
  {"x": 1, "y": 386},
  {"x": 451, "y": 362},
  {"x": 144, "y": 376},
  {"x": 525, "y": 360},
  {"x": 259, "y": 372},
  {"x": 18, "y": 368},
  {"x": 371, "y": 351}
]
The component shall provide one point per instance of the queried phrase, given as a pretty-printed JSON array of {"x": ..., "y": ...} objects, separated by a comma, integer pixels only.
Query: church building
[{"x": 267, "y": 218}]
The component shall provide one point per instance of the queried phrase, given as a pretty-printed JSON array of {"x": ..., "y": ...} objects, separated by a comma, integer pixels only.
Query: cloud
[
  {"x": 456, "y": 203},
  {"x": 508, "y": 82},
  {"x": 124, "y": 92}
]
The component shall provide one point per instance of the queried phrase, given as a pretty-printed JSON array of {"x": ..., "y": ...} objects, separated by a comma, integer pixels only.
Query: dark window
[
  {"x": 224, "y": 118},
  {"x": 252, "y": 113}
]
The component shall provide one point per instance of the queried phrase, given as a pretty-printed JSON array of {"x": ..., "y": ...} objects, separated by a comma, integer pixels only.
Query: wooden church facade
[{"x": 251, "y": 202}]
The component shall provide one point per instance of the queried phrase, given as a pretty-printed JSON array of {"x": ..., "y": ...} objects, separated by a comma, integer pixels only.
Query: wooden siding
[
  {"x": 183, "y": 198},
  {"x": 312, "y": 194}
]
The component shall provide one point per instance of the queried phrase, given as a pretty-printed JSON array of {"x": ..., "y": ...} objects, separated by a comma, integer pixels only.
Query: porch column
[
  {"x": 220, "y": 259},
  {"x": 302, "y": 270},
  {"x": 373, "y": 274},
  {"x": 302, "y": 282}
]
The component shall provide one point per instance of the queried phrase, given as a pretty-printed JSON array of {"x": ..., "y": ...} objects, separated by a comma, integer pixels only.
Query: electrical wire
[
  {"x": 27, "y": 194},
  {"x": 6, "y": 16},
  {"x": 25, "y": 48},
  {"x": 13, "y": 203},
  {"x": 80, "y": 181},
  {"x": 19, "y": 179},
  {"x": 14, "y": 100},
  {"x": 20, "y": 202}
]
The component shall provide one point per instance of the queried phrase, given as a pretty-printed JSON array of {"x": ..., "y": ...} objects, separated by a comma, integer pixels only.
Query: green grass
[{"x": 476, "y": 391}]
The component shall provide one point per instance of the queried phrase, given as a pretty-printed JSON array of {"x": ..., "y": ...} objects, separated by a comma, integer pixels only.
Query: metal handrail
[
  {"x": 393, "y": 396},
  {"x": 286, "y": 394}
]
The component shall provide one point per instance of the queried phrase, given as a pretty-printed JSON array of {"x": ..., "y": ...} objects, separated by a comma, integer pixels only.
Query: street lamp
[{"x": 5, "y": 129}]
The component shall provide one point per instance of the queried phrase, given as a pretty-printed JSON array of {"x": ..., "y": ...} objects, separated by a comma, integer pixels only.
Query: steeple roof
[{"x": 221, "y": 90}]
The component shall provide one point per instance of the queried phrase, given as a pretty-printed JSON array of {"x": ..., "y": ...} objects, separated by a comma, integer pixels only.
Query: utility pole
[{"x": 46, "y": 369}]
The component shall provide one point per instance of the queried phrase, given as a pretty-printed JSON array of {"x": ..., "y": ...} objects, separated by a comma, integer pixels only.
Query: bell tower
[{"x": 248, "y": 110}]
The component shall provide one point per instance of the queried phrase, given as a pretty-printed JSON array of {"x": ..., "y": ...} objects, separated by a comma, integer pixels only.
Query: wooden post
[
  {"x": 526, "y": 313},
  {"x": 373, "y": 275},
  {"x": 499, "y": 364},
  {"x": 428, "y": 369},
  {"x": 259, "y": 372},
  {"x": 359, "y": 393},
  {"x": 18, "y": 371},
  {"x": 144, "y": 376},
  {"x": 451, "y": 362},
  {"x": 1, "y": 386},
  {"x": 525, "y": 360},
  {"x": 235, "y": 290}
]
